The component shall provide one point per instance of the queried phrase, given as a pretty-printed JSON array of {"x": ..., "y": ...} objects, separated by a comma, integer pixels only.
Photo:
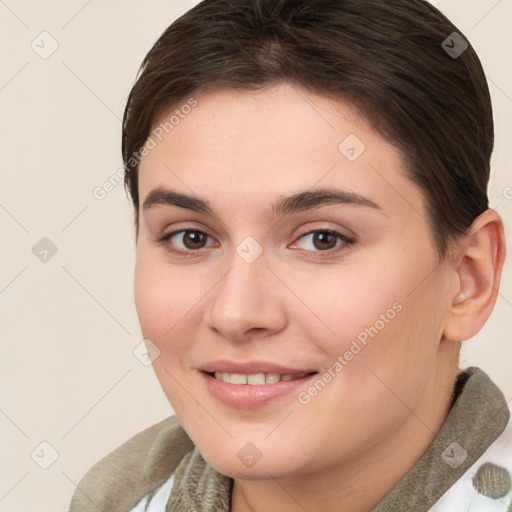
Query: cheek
[
  {"x": 374, "y": 317},
  {"x": 151, "y": 299},
  {"x": 345, "y": 304},
  {"x": 164, "y": 300}
]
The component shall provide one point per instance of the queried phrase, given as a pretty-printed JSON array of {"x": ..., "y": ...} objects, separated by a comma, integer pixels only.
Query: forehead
[{"x": 249, "y": 147}]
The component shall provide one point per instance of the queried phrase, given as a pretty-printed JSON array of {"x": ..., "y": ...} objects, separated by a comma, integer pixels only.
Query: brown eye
[
  {"x": 194, "y": 239},
  {"x": 323, "y": 241},
  {"x": 184, "y": 242}
]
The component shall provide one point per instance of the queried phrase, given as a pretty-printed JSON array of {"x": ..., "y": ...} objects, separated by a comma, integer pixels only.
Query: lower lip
[{"x": 249, "y": 396}]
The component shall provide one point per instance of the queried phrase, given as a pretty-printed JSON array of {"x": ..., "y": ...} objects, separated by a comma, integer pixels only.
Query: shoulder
[{"x": 133, "y": 470}]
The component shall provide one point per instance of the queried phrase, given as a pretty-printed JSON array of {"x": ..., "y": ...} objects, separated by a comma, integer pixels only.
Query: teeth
[
  {"x": 256, "y": 379},
  {"x": 238, "y": 378},
  {"x": 270, "y": 378}
]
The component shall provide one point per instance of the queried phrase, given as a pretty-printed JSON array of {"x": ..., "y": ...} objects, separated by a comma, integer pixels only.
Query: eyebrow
[{"x": 299, "y": 202}]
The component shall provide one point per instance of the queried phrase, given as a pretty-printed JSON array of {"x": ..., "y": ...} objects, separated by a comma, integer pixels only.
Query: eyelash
[{"x": 347, "y": 242}]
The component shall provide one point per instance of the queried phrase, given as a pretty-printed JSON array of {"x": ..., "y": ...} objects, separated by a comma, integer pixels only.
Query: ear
[{"x": 478, "y": 265}]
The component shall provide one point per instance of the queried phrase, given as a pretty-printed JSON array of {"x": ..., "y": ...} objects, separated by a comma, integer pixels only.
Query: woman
[{"x": 313, "y": 244}]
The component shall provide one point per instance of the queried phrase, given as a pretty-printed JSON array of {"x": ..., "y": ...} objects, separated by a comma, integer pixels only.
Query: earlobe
[{"x": 479, "y": 266}]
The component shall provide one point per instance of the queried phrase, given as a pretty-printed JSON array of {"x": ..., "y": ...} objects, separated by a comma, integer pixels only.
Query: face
[{"x": 342, "y": 279}]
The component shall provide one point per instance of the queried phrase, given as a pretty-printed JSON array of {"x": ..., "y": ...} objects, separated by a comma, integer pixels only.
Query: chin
[{"x": 244, "y": 464}]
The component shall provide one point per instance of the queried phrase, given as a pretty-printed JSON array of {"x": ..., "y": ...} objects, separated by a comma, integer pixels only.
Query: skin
[{"x": 242, "y": 151}]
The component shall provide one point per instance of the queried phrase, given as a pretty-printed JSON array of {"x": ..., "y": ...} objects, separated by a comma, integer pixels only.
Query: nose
[{"x": 247, "y": 302}]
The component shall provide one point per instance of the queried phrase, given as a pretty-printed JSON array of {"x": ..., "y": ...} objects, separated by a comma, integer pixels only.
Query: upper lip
[{"x": 250, "y": 367}]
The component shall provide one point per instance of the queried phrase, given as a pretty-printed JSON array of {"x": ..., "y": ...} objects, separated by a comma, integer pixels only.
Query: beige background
[{"x": 68, "y": 326}]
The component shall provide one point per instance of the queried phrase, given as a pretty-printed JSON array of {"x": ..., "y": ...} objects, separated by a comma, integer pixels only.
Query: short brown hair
[{"x": 384, "y": 56}]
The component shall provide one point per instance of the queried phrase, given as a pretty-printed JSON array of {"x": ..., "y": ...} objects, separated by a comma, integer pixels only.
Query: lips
[
  {"x": 246, "y": 396},
  {"x": 240, "y": 385}
]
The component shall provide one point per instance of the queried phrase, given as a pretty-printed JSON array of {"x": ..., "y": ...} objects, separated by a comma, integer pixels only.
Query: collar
[{"x": 479, "y": 414}]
